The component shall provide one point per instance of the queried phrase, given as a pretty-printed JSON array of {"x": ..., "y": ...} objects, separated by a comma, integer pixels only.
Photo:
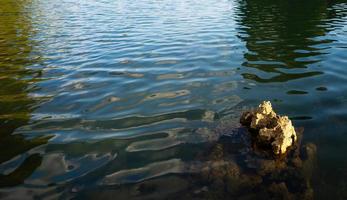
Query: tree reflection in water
[
  {"x": 282, "y": 39},
  {"x": 283, "y": 42},
  {"x": 16, "y": 79}
]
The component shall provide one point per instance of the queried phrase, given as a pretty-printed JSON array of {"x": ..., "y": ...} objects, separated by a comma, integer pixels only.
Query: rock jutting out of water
[
  {"x": 229, "y": 167},
  {"x": 269, "y": 128}
]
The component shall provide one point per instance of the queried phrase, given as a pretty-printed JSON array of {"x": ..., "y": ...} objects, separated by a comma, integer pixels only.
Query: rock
[
  {"x": 270, "y": 129},
  {"x": 263, "y": 116},
  {"x": 254, "y": 175},
  {"x": 208, "y": 116},
  {"x": 280, "y": 191},
  {"x": 309, "y": 156},
  {"x": 265, "y": 166},
  {"x": 246, "y": 118}
]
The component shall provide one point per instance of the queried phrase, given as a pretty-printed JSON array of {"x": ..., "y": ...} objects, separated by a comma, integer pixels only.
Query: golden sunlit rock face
[{"x": 270, "y": 128}]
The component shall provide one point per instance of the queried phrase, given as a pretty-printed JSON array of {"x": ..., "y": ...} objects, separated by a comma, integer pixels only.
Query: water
[{"x": 98, "y": 96}]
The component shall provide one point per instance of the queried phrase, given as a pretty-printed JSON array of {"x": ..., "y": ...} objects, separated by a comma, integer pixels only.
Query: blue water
[{"x": 98, "y": 94}]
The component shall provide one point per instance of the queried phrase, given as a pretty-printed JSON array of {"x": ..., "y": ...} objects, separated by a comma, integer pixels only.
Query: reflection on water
[
  {"x": 127, "y": 98},
  {"x": 16, "y": 54},
  {"x": 281, "y": 39}
]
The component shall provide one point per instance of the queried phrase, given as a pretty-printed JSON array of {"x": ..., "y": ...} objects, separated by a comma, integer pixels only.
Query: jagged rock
[{"x": 271, "y": 129}]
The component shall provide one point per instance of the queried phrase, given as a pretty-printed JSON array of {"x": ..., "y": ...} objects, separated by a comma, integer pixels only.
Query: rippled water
[{"x": 100, "y": 95}]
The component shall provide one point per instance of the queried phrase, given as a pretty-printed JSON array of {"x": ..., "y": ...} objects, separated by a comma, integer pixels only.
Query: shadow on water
[
  {"x": 16, "y": 54},
  {"x": 282, "y": 39}
]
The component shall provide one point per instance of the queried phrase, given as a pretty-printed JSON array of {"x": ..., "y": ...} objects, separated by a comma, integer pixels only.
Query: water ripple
[{"x": 147, "y": 80}]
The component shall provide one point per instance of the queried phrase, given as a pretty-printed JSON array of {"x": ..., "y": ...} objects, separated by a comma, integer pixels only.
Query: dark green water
[{"x": 96, "y": 96}]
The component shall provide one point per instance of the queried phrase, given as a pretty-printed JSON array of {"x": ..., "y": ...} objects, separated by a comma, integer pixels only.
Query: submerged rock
[{"x": 270, "y": 129}]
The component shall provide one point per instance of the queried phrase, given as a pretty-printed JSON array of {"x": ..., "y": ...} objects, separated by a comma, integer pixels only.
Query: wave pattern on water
[{"x": 118, "y": 92}]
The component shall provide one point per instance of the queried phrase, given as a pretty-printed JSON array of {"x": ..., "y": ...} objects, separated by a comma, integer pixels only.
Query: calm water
[{"x": 97, "y": 96}]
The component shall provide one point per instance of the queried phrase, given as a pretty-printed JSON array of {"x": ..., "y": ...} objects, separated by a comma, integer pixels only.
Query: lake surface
[{"x": 97, "y": 96}]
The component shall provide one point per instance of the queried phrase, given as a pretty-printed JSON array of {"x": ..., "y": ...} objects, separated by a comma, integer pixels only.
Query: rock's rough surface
[{"x": 270, "y": 128}]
